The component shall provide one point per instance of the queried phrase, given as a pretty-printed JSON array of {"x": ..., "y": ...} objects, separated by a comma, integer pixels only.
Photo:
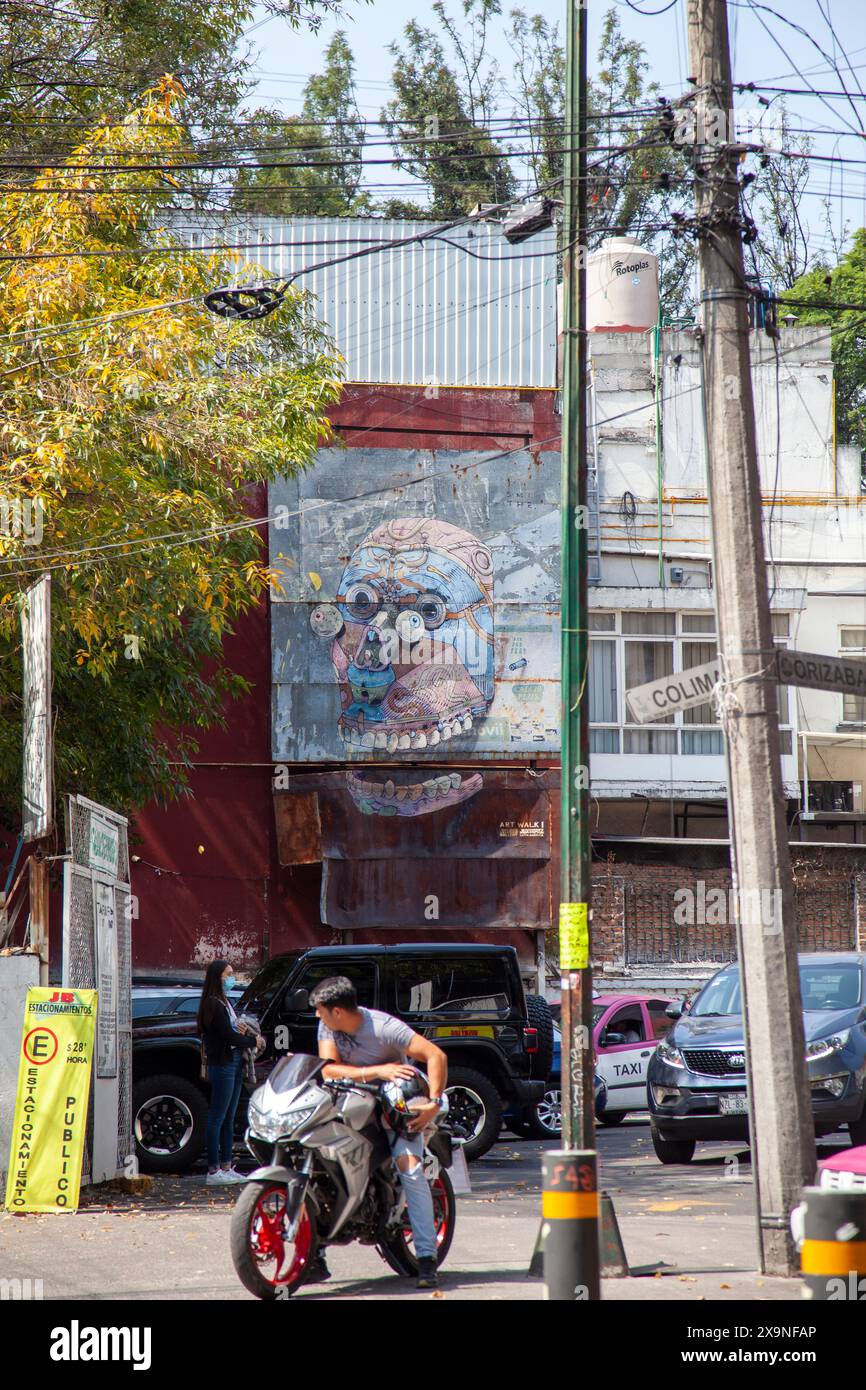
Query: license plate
[{"x": 734, "y": 1104}]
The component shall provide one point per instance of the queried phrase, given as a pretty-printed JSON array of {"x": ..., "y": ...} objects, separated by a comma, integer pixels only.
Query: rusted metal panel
[
  {"x": 506, "y": 816},
  {"x": 299, "y": 832},
  {"x": 423, "y": 896}
]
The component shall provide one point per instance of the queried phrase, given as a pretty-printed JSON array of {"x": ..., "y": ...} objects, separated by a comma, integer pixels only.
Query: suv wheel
[
  {"x": 169, "y": 1114},
  {"x": 474, "y": 1110},
  {"x": 672, "y": 1150},
  {"x": 540, "y": 1018}
]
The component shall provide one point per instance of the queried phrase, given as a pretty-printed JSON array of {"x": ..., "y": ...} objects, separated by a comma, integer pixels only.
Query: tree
[
  {"x": 439, "y": 120},
  {"x": 136, "y": 422},
  {"x": 312, "y": 164},
  {"x": 844, "y": 283},
  {"x": 781, "y": 252},
  {"x": 61, "y": 71}
]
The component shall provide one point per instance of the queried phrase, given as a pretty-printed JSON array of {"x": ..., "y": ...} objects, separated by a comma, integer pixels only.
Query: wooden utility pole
[
  {"x": 570, "y": 1199},
  {"x": 781, "y": 1117}
]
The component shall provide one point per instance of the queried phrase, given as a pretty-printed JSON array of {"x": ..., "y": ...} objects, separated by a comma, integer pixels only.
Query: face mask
[{"x": 228, "y": 982}]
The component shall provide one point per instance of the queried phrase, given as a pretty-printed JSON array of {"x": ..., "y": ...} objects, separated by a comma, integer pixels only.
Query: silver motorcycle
[{"x": 326, "y": 1177}]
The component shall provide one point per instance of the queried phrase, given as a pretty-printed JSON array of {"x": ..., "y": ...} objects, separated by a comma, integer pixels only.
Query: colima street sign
[{"x": 684, "y": 689}]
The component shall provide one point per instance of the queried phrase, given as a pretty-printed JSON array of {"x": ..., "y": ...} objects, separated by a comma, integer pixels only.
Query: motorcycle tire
[
  {"x": 251, "y": 1207},
  {"x": 397, "y": 1251}
]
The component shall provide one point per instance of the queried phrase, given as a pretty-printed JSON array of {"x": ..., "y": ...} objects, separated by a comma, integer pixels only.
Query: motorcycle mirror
[{"x": 297, "y": 1001}]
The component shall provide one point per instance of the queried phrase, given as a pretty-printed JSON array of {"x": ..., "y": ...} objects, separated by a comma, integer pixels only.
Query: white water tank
[{"x": 622, "y": 287}]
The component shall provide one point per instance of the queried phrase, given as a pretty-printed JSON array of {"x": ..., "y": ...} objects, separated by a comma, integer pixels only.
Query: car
[
  {"x": 626, "y": 1028},
  {"x": 845, "y": 1171},
  {"x": 544, "y": 1119},
  {"x": 148, "y": 1001},
  {"x": 625, "y": 1031},
  {"x": 696, "y": 1085},
  {"x": 468, "y": 998}
]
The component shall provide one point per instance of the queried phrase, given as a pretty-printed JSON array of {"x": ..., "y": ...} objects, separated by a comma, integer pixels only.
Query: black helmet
[{"x": 401, "y": 1097}]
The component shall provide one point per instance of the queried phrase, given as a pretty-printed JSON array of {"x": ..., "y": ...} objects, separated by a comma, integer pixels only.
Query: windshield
[
  {"x": 824, "y": 986},
  {"x": 294, "y": 1070},
  {"x": 266, "y": 984}
]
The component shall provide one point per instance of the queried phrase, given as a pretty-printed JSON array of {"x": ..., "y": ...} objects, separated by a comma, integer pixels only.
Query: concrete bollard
[{"x": 833, "y": 1252}]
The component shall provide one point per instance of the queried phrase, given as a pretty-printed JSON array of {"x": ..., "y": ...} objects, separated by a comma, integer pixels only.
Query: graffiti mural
[
  {"x": 412, "y": 636},
  {"x": 415, "y": 620}
]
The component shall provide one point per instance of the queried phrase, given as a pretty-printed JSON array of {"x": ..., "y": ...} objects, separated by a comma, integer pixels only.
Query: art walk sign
[{"x": 50, "y": 1120}]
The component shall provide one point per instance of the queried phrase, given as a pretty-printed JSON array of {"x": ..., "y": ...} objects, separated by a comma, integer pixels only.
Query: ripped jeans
[{"x": 416, "y": 1188}]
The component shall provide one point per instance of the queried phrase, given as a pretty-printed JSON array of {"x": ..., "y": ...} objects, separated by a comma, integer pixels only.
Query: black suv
[{"x": 468, "y": 998}]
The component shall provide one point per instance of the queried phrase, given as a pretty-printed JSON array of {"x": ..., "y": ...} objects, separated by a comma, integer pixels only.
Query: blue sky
[{"x": 286, "y": 58}]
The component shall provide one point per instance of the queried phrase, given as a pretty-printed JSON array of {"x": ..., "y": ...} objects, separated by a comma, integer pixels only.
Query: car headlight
[
  {"x": 825, "y": 1047},
  {"x": 666, "y": 1052}
]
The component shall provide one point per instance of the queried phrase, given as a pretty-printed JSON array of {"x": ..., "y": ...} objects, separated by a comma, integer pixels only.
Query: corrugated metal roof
[{"x": 470, "y": 311}]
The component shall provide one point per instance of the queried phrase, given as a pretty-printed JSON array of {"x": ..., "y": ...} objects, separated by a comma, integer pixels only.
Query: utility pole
[
  {"x": 570, "y": 1200},
  {"x": 780, "y": 1110}
]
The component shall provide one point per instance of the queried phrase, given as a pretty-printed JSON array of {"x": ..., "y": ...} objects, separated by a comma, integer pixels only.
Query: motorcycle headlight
[
  {"x": 263, "y": 1125},
  {"x": 670, "y": 1054},
  {"x": 825, "y": 1047},
  {"x": 296, "y": 1118}
]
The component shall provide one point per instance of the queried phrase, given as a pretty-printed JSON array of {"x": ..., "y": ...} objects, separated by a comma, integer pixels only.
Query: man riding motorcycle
[{"x": 367, "y": 1045}]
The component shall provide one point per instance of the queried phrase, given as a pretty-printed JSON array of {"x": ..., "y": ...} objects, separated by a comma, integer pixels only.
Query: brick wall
[{"x": 634, "y": 905}]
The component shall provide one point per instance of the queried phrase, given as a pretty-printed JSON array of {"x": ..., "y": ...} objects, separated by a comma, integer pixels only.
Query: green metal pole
[{"x": 571, "y": 1266}]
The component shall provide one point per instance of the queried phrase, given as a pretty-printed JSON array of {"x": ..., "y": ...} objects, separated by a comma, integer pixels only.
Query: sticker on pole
[{"x": 573, "y": 936}]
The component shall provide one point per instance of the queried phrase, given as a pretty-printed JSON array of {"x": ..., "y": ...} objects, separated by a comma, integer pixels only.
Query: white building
[{"x": 652, "y": 607}]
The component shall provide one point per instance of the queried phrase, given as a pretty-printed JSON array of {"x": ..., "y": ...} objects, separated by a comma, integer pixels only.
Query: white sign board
[
  {"x": 843, "y": 674},
  {"x": 106, "y": 978},
  {"x": 38, "y": 812},
  {"x": 683, "y": 690},
  {"x": 104, "y": 848}
]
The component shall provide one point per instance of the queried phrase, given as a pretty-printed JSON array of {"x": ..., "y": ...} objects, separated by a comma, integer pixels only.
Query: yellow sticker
[{"x": 573, "y": 936}]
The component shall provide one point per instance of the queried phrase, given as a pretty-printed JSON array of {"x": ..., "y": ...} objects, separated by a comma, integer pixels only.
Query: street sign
[
  {"x": 38, "y": 819},
  {"x": 842, "y": 674},
  {"x": 683, "y": 690}
]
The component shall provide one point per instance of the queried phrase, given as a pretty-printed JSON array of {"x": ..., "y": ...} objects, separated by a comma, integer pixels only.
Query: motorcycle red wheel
[
  {"x": 266, "y": 1264},
  {"x": 399, "y": 1251}
]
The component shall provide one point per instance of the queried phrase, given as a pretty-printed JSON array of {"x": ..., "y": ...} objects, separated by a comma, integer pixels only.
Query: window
[
  {"x": 853, "y": 640},
  {"x": 638, "y": 647},
  {"x": 659, "y": 1021},
  {"x": 453, "y": 987},
  {"x": 699, "y": 622},
  {"x": 362, "y": 973},
  {"x": 627, "y": 1020},
  {"x": 603, "y": 703}
]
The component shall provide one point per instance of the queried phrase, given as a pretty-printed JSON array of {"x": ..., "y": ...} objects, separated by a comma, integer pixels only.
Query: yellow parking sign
[{"x": 51, "y": 1104}]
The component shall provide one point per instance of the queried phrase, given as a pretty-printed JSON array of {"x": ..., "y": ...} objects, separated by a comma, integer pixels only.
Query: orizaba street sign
[
  {"x": 842, "y": 674},
  {"x": 661, "y": 698}
]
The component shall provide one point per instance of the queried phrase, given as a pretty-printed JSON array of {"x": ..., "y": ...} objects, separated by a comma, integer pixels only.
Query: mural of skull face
[{"x": 412, "y": 637}]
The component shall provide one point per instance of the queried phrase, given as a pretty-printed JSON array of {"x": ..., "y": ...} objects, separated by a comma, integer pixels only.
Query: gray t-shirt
[{"x": 380, "y": 1038}]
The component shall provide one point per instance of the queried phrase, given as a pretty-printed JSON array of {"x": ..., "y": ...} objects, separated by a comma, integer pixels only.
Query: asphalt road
[{"x": 694, "y": 1223}]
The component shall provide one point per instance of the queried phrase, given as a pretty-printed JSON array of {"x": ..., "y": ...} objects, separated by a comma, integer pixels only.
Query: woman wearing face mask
[{"x": 224, "y": 1041}]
